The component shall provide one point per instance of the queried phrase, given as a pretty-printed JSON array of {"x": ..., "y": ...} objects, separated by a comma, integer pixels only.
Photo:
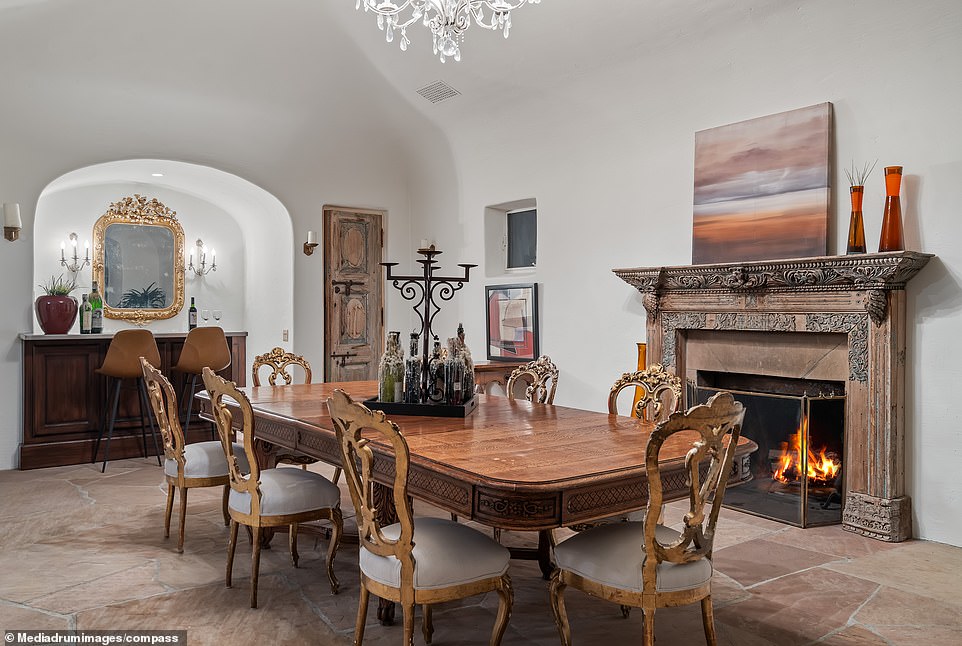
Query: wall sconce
[
  {"x": 74, "y": 264},
  {"x": 202, "y": 269},
  {"x": 11, "y": 221},
  {"x": 310, "y": 244}
]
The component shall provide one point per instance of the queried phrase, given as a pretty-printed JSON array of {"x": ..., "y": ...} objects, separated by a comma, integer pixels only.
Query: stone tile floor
[{"x": 81, "y": 549}]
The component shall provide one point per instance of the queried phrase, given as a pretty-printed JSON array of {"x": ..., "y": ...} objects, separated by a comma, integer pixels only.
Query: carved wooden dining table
[{"x": 511, "y": 464}]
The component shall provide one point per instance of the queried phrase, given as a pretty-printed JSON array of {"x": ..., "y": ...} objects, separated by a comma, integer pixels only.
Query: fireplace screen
[{"x": 797, "y": 470}]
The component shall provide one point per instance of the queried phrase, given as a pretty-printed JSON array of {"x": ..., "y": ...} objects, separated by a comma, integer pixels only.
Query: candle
[
  {"x": 11, "y": 215},
  {"x": 191, "y": 257},
  {"x": 311, "y": 237},
  {"x": 213, "y": 256},
  {"x": 62, "y": 247},
  {"x": 424, "y": 243},
  {"x": 86, "y": 249}
]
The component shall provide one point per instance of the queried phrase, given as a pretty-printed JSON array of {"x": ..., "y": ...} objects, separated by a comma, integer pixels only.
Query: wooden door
[{"x": 353, "y": 301}]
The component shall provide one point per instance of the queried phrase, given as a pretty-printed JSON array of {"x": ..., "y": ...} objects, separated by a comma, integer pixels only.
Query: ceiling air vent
[{"x": 438, "y": 91}]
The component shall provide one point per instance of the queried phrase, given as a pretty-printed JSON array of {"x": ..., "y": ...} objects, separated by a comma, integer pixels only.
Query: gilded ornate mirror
[{"x": 139, "y": 260}]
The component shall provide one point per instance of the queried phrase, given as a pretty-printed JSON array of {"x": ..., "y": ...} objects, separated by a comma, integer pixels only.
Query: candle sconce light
[
  {"x": 310, "y": 244},
  {"x": 202, "y": 268},
  {"x": 74, "y": 263},
  {"x": 11, "y": 221}
]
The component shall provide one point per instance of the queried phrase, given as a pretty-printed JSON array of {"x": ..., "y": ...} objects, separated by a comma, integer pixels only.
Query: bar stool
[
  {"x": 204, "y": 347},
  {"x": 123, "y": 362}
]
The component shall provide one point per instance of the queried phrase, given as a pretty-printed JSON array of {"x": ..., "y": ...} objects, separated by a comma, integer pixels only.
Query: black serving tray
[{"x": 424, "y": 410}]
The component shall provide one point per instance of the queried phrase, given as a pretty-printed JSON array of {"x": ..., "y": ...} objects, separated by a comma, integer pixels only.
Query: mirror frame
[{"x": 151, "y": 212}]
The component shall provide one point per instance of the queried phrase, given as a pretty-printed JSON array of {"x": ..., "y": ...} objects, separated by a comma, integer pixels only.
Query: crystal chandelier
[{"x": 447, "y": 19}]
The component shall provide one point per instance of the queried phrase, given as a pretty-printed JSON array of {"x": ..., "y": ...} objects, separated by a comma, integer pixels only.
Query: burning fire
[{"x": 821, "y": 468}]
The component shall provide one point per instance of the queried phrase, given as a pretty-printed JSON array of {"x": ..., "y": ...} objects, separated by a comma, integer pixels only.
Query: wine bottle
[
  {"x": 86, "y": 314},
  {"x": 391, "y": 370},
  {"x": 412, "y": 372},
  {"x": 96, "y": 310},
  {"x": 192, "y": 315}
]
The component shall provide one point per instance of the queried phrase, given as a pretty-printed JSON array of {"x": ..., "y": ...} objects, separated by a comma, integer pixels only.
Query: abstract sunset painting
[{"x": 762, "y": 188}]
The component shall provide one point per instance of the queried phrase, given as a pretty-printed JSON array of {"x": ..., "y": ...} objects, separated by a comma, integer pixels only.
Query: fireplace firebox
[{"x": 797, "y": 472}]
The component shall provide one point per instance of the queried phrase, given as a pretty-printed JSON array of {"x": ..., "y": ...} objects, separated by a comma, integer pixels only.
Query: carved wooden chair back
[
  {"x": 221, "y": 392},
  {"x": 540, "y": 378},
  {"x": 163, "y": 401},
  {"x": 658, "y": 393},
  {"x": 279, "y": 360},
  {"x": 708, "y": 463}
]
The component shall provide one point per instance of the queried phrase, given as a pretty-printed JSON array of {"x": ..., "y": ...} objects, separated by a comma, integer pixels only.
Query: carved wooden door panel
[{"x": 353, "y": 305}]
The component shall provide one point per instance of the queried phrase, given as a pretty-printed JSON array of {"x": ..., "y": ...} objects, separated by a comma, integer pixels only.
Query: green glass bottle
[
  {"x": 86, "y": 315},
  {"x": 96, "y": 310},
  {"x": 192, "y": 315}
]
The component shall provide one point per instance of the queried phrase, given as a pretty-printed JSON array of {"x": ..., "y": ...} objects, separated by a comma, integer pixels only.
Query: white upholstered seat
[
  {"x": 445, "y": 554},
  {"x": 206, "y": 460},
  {"x": 287, "y": 491},
  {"x": 609, "y": 554}
]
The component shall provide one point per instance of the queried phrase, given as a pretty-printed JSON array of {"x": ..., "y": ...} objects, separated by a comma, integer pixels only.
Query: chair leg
[
  {"x": 223, "y": 504},
  {"x": 292, "y": 534},
  {"x": 231, "y": 546},
  {"x": 361, "y": 615},
  {"x": 103, "y": 421},
  {"x": 408, "y": 613},
  {"x": 648, "y": 629},
  {"x": 708, "y": 619},
  {"x": 556, "y": 592},
  {"x": 337, "y": 475},
  {"x": 110, "y": 429},
  {"x": 337, "y": 529},
  {"x": 145, "y": 405},
  {"x": 183, "y": 518},
  {"x": 170, "y": 509},
  {"x": 505, "y": 601},
  {"x": 255, "y": 564},
  {"x": 427, "y": 626},
  {"x": 190, "y": 401}
]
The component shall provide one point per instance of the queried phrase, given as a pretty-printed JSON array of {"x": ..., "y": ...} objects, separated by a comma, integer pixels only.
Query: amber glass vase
[
  {"x": 891, "y": 239},
  {"x": 856, "y": 229}
]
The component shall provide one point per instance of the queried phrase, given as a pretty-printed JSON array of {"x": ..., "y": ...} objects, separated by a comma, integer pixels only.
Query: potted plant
[{"x": 56, "y": 308}]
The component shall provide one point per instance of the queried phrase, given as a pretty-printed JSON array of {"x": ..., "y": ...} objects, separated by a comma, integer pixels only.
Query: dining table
[{"x": 510, "y": 464}]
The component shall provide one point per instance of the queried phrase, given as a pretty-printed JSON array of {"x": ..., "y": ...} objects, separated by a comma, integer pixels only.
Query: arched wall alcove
[{"x": 250, "y": 229}]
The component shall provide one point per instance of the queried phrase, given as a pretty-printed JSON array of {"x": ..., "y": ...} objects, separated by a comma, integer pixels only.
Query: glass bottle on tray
[
  {"x": 390, "y": 370},
  {"x": 412, "y": 372},
  {"x": 454, "y": 374}
]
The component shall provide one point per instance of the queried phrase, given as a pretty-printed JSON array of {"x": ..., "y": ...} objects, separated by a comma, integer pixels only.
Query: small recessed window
[{"x": 522, "y": 238}]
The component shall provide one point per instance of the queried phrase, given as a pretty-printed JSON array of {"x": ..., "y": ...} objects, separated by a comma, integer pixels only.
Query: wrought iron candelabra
[{"x": 427, "y": 289}]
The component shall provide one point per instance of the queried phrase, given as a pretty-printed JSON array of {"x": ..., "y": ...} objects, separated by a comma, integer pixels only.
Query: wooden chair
[
  {"x": 660, "y": 397},
  {"x": 201, "y": 464},
  {"x": 645, "y": 564},
  {"x": 279, "y": 361},
  {"x": 268, "y": 497},
  {"x": 413, "y": 561},
  {"x": 204, "y": 347},
  {"x": 122, "y": 362},
  {"x": 540, "y": 378}
]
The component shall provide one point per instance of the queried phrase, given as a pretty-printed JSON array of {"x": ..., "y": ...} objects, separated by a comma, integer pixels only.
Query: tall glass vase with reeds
[{"x": 856, "y": 227}]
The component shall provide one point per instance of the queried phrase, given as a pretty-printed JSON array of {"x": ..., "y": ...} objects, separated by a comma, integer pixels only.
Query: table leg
[
  {"x": 387, "y": 515},
  {"x": 545, "y": 544}
]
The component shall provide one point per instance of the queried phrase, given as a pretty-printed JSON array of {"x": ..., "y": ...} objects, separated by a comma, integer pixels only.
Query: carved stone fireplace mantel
[{"x": 785, "y": 318}]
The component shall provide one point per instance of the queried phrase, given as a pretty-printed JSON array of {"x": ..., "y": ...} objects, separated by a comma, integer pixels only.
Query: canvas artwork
[
  {"x": 762, "y": 188},
  {"x": 512, "y": 330}
]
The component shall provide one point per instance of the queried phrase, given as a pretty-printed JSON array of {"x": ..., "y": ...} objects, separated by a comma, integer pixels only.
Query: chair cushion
[
  {"x": 445, "y": 554},
  {"x": 206, "y": 460},
  {"x": 289, "y": 491},
  {"x": 613, "y": 554}
]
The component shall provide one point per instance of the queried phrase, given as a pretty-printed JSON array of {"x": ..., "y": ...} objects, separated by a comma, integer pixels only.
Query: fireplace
[
  {"x": 831, "y": 319},
  {"x": 797, "y": 471}
]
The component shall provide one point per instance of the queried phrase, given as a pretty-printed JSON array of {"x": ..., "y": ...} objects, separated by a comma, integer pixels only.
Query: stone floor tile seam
[
  {"x": 803, "y": 570},
  {"x": 83, "y": 492},
  {"x": 840, "y": 629},
  {"x": 71, "y": 617}
]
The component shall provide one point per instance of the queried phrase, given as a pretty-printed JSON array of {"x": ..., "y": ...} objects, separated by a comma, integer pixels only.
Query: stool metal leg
[{"x": 110, "y": 429}]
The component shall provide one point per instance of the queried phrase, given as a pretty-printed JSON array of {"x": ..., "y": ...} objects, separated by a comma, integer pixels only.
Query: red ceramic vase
[{"x": 56, "y": 313}]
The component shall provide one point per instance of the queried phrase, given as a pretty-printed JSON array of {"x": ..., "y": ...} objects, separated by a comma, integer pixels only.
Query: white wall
[{"x": 608, "y": 155}]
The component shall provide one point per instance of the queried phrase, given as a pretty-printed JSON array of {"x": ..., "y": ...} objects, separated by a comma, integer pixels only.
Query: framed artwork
[
  {"x": 512, "y": 329},
  {"x": 762, "y": 188}
]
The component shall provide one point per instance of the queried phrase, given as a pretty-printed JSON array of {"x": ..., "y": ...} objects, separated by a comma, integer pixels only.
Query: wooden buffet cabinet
[{"x": 63, "y": 398}]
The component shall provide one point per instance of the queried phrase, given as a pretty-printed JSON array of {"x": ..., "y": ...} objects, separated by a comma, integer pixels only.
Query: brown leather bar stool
[
  {"x": 123, "y": 362},
  {"x": 204, "y": 347}
]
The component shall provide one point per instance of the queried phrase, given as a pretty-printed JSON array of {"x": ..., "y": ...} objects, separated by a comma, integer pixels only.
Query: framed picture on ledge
[{"x": 512, "y": 328}]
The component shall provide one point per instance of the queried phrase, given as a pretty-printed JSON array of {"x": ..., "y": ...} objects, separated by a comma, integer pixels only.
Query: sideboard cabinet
[{"x": 63, "y": 398}]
